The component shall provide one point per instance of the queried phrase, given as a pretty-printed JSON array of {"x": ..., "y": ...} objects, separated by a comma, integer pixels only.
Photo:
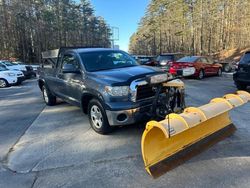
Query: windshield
[
  {"x": 245, "y": 59},
  {"x": 97, "y": 61},
  {"x": 2, "y": 68},
  {"x": 18, "y": 63},
  {"x": 188, "y": 59},
  {"x": 8, "y": 63},
  {"x": 165, "y": 58}
]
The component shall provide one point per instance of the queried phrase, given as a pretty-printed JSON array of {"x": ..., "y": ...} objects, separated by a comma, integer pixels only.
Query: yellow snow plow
[{"x": 168, "y": 143}]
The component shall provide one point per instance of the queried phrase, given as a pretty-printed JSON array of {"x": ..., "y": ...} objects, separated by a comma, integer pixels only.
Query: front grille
[
  {"x": 19, "y": 74},
  {"x": 144, "y": 91}
]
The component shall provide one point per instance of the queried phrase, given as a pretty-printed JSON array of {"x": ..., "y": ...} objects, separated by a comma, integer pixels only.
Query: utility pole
[{"x": 114, "y": 35}]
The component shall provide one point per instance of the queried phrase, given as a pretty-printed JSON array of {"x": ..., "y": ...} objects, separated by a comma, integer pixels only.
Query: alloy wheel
[{"x": 96, "y": 116}]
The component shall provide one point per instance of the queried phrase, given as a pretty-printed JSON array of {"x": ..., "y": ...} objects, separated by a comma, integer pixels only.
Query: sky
[{"x": 124, "y": 14}]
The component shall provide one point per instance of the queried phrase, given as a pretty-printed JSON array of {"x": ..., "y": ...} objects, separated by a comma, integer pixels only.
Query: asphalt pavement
[{"x": 55, "y": 146}]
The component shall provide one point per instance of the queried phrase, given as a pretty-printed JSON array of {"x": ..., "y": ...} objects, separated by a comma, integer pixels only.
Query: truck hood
[{"x": 124, "y": 76}]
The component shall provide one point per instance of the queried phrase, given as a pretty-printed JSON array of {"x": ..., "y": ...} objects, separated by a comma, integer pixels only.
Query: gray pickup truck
[{"x": 107, "y": 84}]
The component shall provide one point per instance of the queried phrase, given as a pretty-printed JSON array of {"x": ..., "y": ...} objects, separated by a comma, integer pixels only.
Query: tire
[
  {"x": 227, "y": 68},
  {"x": 98, "y": 118},
  {"x": 201, "y": 74},
  {"x": 219, "y": 73},
  {"x": 48, "y": 98},
  {"x": 3, "y": 83},
  {"x": 241, "y": 86}
]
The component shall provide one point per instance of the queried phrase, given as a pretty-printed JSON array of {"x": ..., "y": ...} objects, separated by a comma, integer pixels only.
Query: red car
[{"x": 197, "y": 66}]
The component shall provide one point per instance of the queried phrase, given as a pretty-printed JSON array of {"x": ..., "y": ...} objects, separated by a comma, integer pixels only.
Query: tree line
[
  {"x": 29, "y": 27},
  {"x": 192, "y": 26}
]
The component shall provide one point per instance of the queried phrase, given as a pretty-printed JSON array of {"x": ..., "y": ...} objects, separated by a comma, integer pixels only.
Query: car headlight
[
  {"x": 10, "y": 74},
  {"x": 158, "y": 78},
  {"x": 117, "y": 91}
]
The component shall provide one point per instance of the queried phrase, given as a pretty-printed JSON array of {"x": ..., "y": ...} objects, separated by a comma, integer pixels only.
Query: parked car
[
  {"x": 146, "y": 60},
  {"x": 26, "y": 69},
  {"x": 164, "y": 60},
  {"x": 109, "y": 85},
  {"x": 35, "y": 67},
  {"x": 242, "y": 75},
  {"x": 197, "y": 66},
  {"x": 10, "y": 77}
]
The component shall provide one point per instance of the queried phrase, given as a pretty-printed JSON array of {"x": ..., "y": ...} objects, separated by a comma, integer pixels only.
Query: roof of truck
[
  {"x": 54, "y": 53},
  {"x": 80, "y": 50}
]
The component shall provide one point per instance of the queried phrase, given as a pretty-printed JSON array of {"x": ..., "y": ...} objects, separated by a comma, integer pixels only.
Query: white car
[
  {"x": 11, "y": 66},
  {"x": 10, "y": 77},
  {"x": 35, "y": 67},
  {"x": 26, "y": 69}
]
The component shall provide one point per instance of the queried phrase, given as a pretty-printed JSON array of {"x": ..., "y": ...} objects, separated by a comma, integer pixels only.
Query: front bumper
[
  {"x": 130, "y": 116},
  {"x": 29, "y": 74},
  {"x": 20, "y": 79}
]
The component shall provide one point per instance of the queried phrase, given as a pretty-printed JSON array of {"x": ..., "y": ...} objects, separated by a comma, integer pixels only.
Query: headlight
[
  {"x": 117, "y": 91},
  {"x": 158, "y": 78},
  {"x": 10, "y": 74}
]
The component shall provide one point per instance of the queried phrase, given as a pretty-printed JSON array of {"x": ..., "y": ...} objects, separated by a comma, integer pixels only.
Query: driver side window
[
  {"x": 203, "y": 60},
  {"x": 69, "y": 59},
  {"x": 210, "y": 61}
]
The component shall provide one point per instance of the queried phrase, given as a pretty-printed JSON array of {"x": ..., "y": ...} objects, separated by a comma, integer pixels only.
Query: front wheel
[
  {"x": 98, "y": 118},
  {"x": 48, "y": 98},
  {"x": 201, "y": 74},
  {"x": 3, "y": 83}
]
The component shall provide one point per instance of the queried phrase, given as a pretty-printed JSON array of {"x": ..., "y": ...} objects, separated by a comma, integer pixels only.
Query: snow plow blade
[{"x": 172, "y": 141}]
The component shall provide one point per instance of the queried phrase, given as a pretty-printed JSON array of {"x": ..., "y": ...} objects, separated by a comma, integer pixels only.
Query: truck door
[{"x": 70, "y": 78}]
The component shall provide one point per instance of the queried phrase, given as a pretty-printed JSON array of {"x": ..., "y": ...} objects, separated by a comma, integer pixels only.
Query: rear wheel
[
  {"x": 219, "y": 73},
  {"x": 227, "y": 68},
  {"x": 48, "y": 97},
  {"x": 3, "y": 83},
  {"x": 98, "y": 118},
  {"x": 201, "y": 74}
]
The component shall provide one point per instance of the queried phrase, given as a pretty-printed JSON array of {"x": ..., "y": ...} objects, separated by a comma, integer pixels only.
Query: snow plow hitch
[{"x": 168, "y": 143}]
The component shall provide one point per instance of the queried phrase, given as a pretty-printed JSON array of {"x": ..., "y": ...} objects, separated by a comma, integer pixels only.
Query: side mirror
[{"x": 70, "y": 68}]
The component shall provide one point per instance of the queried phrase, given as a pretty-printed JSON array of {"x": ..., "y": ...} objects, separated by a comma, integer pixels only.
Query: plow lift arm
[{"x": 168, "y": 143}]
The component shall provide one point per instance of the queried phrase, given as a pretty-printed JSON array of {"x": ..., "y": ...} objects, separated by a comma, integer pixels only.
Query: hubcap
[
  {"x": 219, "y": 72},
  {"x": 45, "y": 95},
  {"x": 2, "y": 83},
  {"x": 96, "y": 116},
  {"x": 201, "y": 74}
]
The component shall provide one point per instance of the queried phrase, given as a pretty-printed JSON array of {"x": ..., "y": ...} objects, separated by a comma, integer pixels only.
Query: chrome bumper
[{"x": 132, "y": 116}]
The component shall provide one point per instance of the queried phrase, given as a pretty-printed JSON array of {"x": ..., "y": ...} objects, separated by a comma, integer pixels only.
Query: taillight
[{"x": 172, "y": 70}]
